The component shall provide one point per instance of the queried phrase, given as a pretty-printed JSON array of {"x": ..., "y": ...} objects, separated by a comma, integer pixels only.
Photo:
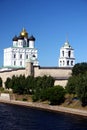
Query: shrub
[
  {"x": 71, "y": 85},
  {"x": 56, "y": 95},
  {"x": 24, "y": 99}
]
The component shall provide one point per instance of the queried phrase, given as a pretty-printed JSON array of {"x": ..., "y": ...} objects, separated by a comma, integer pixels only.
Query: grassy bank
[{"x": 69, "y": 102}]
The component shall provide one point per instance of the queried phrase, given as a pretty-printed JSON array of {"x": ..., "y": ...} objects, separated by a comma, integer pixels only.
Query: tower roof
[
  {"x": 15, "y": 38},
  {"x": 32, "y": 38},
  {"x": 66, "y": 45},
  {"x": 24, "y": 33}
]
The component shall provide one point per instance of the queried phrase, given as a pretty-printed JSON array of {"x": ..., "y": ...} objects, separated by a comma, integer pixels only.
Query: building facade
[
  {"x": 59, "y": 74},
  {"x": 66, "y": 58},
  {"x": 23, "y": 49},
  {"x": 22, "y": 59}
]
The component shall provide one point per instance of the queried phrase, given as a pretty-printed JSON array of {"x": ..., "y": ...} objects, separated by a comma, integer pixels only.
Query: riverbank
[{"x": 47, "y": 107}]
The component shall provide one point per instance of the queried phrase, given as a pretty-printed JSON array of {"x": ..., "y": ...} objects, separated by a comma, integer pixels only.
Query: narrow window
[
  {"x": 16, "y": 44},
  {"x": 21, "y": 43},
  {"x": 68, "y": 62},
  {"x": 62, "y": 53},
  {"x": 20, "y": 63},
  {"x": 26, "y": 56},
  {"x": 63, "y": 62},
  {"x": 71, "y": 62},
  {"x": 60, "y": 63},
  {"x": 14, "y": 55},
  {"x": 14, "y": 62},
  {"x": 20, "y": 56},
  {"x": 69, "y": 53}
]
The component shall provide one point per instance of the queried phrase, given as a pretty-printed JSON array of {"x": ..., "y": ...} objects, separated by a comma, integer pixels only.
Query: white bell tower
[{"x": 66, "y": 58}]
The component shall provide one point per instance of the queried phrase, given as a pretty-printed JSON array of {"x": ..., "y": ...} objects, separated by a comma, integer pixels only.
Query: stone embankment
[{"x": 46, "y": 107}]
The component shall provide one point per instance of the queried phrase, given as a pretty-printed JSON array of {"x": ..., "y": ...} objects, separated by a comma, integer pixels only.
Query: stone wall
[
  {"x": 5, "y": 96},
  {"x": 61, "y": 82},
  {"x": 52, "y": 71},
  {"x": 5, "y": 74},
  {"x": 60, "y": 75}
]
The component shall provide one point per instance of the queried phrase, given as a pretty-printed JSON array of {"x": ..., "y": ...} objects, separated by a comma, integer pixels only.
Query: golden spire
[
  {"x": 67, "y": 37},
  {"x": 24, "y": 33}
]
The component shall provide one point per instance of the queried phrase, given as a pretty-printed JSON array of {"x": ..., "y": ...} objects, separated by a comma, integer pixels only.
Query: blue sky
[{"x": 50, "y": 21}]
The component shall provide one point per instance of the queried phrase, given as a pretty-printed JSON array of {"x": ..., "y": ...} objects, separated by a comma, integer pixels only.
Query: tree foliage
[
  {"x": 56, "y": 95},
  {"x": 72, "y": 84},
  {"x": 79, "y": 68},
  {"x": 44, "y": 82},
  {"x": 41, "y": 86},
  {"x": 77, "y": 83},
  {"x": 8, "y": 83},
  {"x": 29, "y": 85},
  {"x": 82, "y": 88}
]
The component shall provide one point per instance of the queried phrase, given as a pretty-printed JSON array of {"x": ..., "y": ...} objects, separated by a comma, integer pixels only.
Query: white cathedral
[
  {"x": 22, "y": 59},
  {"x": 24, "y": 50}
]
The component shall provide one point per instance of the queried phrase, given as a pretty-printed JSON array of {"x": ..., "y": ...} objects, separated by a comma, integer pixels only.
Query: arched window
[
  {"x": 71, "y": 62},
  {"x": 63, "y": 62},
  {"x": 60, "y": 63},
  {"x": 14, "y": 63},
  {"x": 14, "y": 56},
  {"x": 20, "y": 56},
  {"x": 20, "y": 63},
  {"x": 62, "y": 53},
  {"x": 68, "y": 62},
  {"x": 26, "y": 56}
]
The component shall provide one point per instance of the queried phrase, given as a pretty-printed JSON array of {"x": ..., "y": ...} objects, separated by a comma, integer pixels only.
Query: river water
[{"x": 13, "y": 117}]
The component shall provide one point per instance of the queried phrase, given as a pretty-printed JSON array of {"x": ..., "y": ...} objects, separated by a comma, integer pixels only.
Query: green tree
[
  {"x": 8, "y": 83},
  {"x": 72, "y": 85},
  {"x": 82, "y": 88},
  {"x": 41, "y": 84},
  {"x": 44, "y": 94},
  {"x": 19, "y": 84},
  {"x": 44, "y": 82},
  {"x": 77, "y": 84},
  {"x": 79, "y": 68},
  {"x": 30, "y": 85},
  {"x": 47, "y": 82},
  {"x": 15, "y": 85},
  {"x": 56, "y": 95}
]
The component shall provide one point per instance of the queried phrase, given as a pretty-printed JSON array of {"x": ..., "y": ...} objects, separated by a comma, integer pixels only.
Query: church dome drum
[{"x": 24, "y": 33}]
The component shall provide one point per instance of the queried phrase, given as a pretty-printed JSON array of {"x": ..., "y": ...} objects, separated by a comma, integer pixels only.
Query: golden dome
[{"x": 24, "y": 33}]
